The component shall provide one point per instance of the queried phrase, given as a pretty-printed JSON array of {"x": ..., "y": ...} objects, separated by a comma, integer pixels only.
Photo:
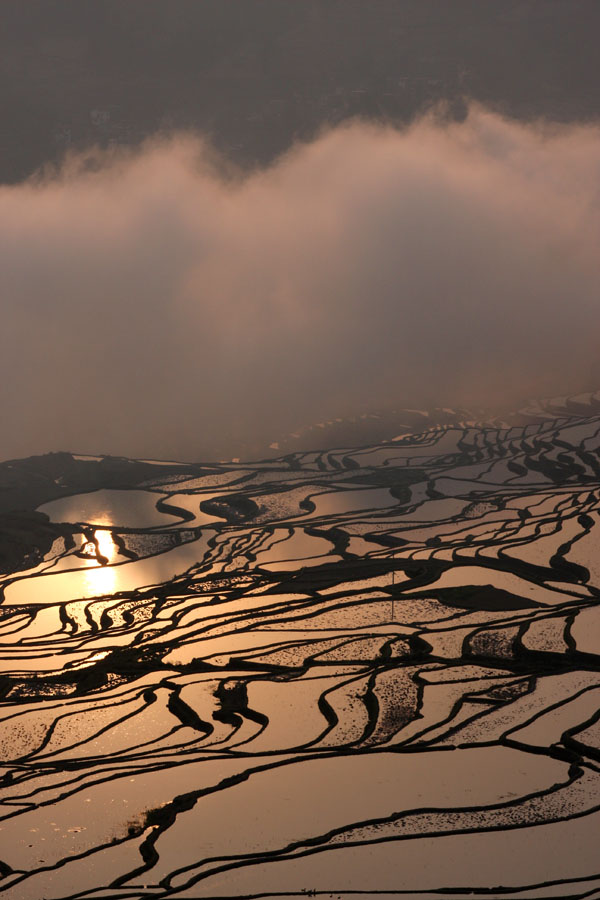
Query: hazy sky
[{"x": 159, "y": 303}]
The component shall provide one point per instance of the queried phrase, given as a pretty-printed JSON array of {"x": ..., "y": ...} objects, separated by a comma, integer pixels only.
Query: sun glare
[
  {"x": 103, "y": 578},
  {"x": 106, "y": 546}
]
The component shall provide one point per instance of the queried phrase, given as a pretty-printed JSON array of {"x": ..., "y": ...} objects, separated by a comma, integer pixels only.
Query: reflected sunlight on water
[
  {"x": 100, "y": 581},
  {"x": 101, "y": 578},
  {"x": 94, "y": 658},
  {"x": 106, "y": 546}
]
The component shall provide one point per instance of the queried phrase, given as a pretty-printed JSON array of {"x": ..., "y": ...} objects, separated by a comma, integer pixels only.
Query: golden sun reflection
[
  {"x": 103, "y": 579},
  {"x": 106, "y": 546}
]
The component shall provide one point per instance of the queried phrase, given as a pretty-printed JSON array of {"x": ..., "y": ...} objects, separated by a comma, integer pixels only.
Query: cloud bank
[{"x": 159, "y": 303}]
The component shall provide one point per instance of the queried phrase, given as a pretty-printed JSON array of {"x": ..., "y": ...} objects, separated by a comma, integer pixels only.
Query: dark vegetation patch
[
  {"x": 25, "y": 538},
  {"x": 139, "y": 545},
  {"x": 482, "y": 597},
  {"x": 233, "y": 509},
  {"x": 389, "y": 476}
]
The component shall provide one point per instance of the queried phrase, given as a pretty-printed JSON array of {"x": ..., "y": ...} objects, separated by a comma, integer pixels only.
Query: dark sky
[{"x": 258, "y": 74}]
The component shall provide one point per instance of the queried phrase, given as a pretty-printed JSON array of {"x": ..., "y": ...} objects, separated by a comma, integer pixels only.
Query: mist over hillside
[{"x": 160, "y": 304}]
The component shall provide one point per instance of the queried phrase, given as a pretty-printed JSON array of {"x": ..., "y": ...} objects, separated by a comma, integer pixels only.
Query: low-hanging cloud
[{"x": 159, "y": 303}]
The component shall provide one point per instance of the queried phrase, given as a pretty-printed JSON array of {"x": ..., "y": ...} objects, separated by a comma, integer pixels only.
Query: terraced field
[{"x": 364, "y": 671}]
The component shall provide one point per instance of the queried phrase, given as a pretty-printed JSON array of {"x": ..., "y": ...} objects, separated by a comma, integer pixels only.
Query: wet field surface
[{"x": 367, "y": 671}]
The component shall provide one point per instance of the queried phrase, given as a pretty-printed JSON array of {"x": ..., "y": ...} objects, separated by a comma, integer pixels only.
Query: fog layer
[{"x": 159, "y": 303}]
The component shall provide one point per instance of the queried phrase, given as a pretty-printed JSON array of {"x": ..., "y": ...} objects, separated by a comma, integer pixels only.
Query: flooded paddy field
[{"x": 368, "y": 671}]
